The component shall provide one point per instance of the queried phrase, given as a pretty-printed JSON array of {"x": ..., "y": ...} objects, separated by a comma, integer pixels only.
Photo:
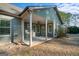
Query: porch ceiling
[{"x": 37, "y": 19}]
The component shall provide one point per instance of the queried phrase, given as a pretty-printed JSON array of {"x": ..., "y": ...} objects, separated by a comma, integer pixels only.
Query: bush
[
  {"x": 61, "y": 32},
  {"x": 73, "y": 30}
]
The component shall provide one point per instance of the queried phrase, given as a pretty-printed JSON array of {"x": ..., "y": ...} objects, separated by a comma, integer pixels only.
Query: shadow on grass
[
  {"x": 15, "y": 43},
  {"x": 4, "y": 53},
  {"x": 62, "y": 42}
]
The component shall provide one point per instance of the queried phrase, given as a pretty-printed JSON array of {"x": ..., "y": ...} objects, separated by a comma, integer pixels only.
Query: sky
[
  {"x": 23, "y": 5},
  {"x": 72, "y": 8}
]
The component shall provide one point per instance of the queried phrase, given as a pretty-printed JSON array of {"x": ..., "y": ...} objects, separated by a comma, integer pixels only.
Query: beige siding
[{"x": 10, "y": 8}]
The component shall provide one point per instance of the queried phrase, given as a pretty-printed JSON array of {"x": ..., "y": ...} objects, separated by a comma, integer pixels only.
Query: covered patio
[{"x": 39, "y": 24}]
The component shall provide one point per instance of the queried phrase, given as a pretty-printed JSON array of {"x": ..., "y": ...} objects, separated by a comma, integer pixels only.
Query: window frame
[
  {"x": 6, "y": 27},
  {"x": 49, "y": 28}
]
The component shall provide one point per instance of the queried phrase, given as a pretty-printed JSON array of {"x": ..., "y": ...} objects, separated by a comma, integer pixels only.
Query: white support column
[
  {"x": 46, "y": 27},
  {"x": 46, "y": 23},
  {"x": 11, "y": 31},
  {"x": 30, "y": 42},
  {"x": 57, "y": 29},
  {"x": 54, "y": 27},
  {"x": 22, "y": 25}
]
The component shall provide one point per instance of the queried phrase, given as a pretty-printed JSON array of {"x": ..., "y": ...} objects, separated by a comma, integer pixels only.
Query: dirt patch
[{"x": 58, "y": 47}]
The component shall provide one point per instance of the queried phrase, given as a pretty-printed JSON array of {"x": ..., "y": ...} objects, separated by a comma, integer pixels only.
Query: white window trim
[
  {"x": 6, "y": 34},
  {"x": 49, "y": 29}
]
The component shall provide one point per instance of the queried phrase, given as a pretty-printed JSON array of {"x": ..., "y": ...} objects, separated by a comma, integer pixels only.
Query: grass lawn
[{"x": 55, "y": 47}]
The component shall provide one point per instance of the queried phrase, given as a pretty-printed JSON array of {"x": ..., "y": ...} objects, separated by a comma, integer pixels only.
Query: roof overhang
[
  {"x": 57, "y": 12},
  {"x": 41, "y": 8},
  {"x": 34, "y": 8},
  {"x": 8, "y": 14}
]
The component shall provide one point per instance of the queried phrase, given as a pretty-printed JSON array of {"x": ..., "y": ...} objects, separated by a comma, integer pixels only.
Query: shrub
[{"x": 73, "y": 30}]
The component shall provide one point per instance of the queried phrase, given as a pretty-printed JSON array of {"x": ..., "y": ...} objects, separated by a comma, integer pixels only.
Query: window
[
  {"x": 50, "y": 29},
  {"x": 34, "y": 27},
  {"x": 38, "y": 28},
  {"x": 43, "y": 28},
  {"x": 4, "y": 26}
]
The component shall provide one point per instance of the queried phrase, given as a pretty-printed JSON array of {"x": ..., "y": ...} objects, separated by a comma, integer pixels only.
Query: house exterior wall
[{"x": 10, "y": 28}]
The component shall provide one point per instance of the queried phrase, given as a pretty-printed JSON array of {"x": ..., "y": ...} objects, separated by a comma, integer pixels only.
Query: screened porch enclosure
[
  {"x": 10, "y": 29},
  {"x": 34, "y": 26},
  {"x": 40, "y": 25},
  {"x": 5, "y": 28}
]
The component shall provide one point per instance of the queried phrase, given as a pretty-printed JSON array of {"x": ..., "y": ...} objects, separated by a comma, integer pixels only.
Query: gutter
[
  {"x": 58, "y": 14},
  {"x": 8, "y": 14}
]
